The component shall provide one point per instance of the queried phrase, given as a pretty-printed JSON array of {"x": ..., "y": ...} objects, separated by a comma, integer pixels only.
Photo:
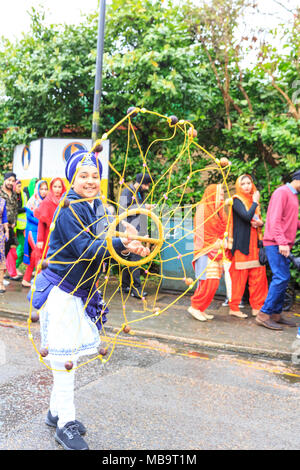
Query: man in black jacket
[
  {"x": 132, "y": 197},
  {"x": 7, "y": 193}
]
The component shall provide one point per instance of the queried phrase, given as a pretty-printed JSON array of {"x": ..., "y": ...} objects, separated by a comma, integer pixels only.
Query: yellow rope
[{"x": 184, "y": 153}]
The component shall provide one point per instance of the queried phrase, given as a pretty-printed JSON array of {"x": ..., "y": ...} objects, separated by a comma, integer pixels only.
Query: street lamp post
[{"x": 98, "y": 77}]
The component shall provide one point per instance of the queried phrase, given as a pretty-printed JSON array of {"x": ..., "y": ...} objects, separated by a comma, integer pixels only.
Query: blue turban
[{"x": 82, "y": 157}]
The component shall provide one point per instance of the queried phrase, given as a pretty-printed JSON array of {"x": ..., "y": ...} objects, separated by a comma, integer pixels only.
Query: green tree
[{"x": 151, "y": 60}]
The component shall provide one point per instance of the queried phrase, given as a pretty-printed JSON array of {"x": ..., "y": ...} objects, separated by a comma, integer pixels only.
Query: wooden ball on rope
[
  {"x": 102, "y": 351},
  {"x": 98, "y": 148},
  {"x": 129, "y": 110},
  {"x": 44, "y": 352},
  {"x": 69, "y": 365},
  {"x": 189, "y": 281},
  {"x": 192, "y": 132},
  {"x": 34, "y": 317},
  {"x": 224, "y": 162},
  {"x": 126, "y": 329},
  {"x": 45, "y": 264},
  {"x": 66, "y": 203},
  {"x": 173, "y": 120}
]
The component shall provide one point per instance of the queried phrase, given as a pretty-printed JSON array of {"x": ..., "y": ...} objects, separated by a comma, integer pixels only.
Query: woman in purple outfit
[{"x": 4, "y": 235}]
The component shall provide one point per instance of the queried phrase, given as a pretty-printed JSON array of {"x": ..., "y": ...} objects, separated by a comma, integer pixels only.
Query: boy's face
[{"x": 87, "y": 182}]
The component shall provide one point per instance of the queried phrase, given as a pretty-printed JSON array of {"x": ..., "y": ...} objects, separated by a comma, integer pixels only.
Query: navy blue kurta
[{"x": 81, "y": 251}]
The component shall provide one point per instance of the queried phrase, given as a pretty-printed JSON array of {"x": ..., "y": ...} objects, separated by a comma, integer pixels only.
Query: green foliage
[
  {"x": 46, "y": 76},
  {"x": 10, "y": 139}
]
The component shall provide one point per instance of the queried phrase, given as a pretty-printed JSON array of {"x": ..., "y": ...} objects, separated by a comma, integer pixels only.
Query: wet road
[{"x": 152, "y": 395}]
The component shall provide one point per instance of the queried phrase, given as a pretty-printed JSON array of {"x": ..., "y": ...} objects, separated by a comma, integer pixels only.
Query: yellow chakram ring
[{"x": 111, "y": 233}]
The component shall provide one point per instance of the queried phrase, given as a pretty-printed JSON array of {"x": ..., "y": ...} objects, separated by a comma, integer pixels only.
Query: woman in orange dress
[
  {"x": 245, "y": 233},
  {"x": 210, "y": 224}
]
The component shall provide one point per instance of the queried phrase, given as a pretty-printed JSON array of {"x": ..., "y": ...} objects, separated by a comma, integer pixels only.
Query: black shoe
[
  {"x": 52, "y": 421},
  {"x": 125, "y": 290},
  {"x": 70, "y": 438},
  {"x": 16, "y": 278},
  {"x": 138, "y": 294}
]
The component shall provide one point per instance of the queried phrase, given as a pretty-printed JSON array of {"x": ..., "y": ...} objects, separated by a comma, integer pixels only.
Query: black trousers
[
  {"x": 133, "y": 273},
  {"x": 11, "y": 241}
]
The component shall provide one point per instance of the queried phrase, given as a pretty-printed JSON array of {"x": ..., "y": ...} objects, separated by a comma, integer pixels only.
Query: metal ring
[{"x": 112, "y": 233}]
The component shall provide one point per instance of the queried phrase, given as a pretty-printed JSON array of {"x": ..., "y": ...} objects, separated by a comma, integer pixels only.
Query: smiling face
[
  {"x": 246, "y": 185},
  {"x": 9, "y": 183},
  {"x": 87, "y": 182}
]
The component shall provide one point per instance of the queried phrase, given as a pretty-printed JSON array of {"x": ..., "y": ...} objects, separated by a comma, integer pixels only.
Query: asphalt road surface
[{"x": 152, "y": 395}]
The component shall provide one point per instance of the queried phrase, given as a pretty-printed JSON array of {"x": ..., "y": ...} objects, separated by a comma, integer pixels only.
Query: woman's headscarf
[
  {"x": 51, "y": 196},
  {"x": 82, "y": 157},
  {"x": 247, "y": 199},
  {"x": 31, "y": 186},
  {"x": 48, "y": 206},
  {"x": 16, "y": 184},
  {"x": 210, "y": 221},
  {"x": 35, "y": 200}
]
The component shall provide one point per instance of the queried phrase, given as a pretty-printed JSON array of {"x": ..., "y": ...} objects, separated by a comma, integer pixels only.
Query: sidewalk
[{"x": 223, "y": 333}]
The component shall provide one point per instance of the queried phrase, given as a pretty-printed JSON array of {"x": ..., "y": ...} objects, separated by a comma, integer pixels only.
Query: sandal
[
  {"x": 197, "y": 314},
  {"x": 238, "y": 314},
  {"x": 208, "y": 316}
]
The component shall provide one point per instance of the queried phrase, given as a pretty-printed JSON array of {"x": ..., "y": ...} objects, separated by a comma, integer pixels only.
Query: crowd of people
[
  {"x": 27, "y": 214},
  {"x": 26, "y": 217},
  {"x": 246, "y": 246},
  {"x": 71, "y": 316}
]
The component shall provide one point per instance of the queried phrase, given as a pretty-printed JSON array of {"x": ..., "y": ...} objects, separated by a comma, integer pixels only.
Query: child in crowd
[
  {"x": 31, "y": 252},
  {"x": 44, "y": 213},
  {"x": 21, "y": 222}
]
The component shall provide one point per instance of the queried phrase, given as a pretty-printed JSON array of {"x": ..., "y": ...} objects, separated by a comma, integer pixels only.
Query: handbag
[
  {"x": 262, "y": 257},
  {"x": 41, "y": 291}
]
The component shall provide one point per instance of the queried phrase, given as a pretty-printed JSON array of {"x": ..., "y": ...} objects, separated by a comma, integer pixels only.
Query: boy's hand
[{"x": 134, "y": 246}]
